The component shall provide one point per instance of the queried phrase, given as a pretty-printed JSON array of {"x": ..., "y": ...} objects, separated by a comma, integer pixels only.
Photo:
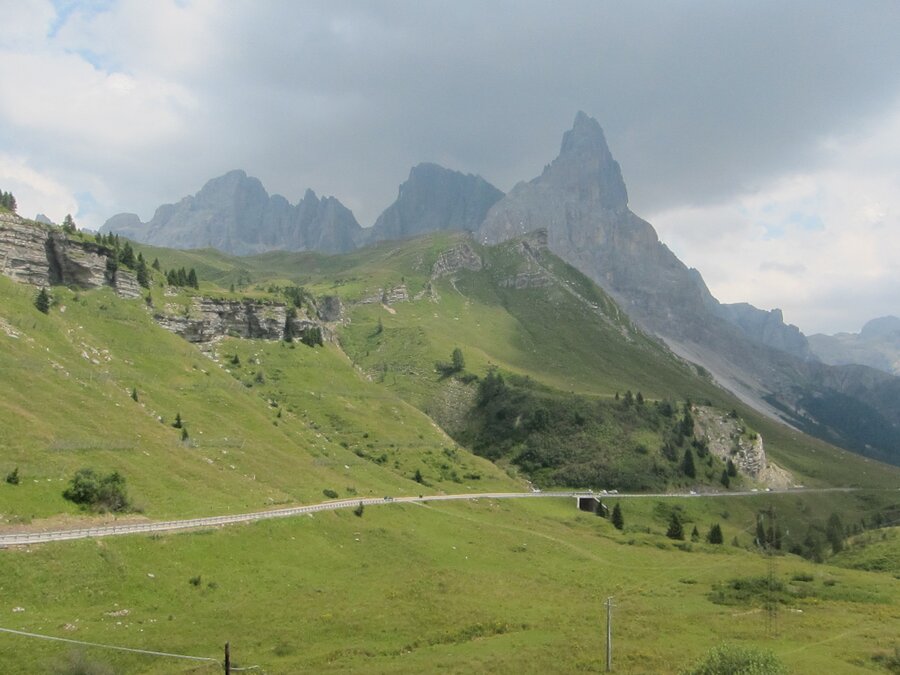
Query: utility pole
[
  {"x": 227, "y": 659},
  {"x": 609, "y": 607}
]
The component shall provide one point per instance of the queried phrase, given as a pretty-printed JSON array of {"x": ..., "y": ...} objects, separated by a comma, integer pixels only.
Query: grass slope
[
  {"x": 67, "y": 403},
  {"x": 482, "y": 586},
  {"x": 567, "y": 335}
]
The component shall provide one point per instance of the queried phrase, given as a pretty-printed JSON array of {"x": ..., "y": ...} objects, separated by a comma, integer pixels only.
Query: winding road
[{"x": 26, "y": 538}]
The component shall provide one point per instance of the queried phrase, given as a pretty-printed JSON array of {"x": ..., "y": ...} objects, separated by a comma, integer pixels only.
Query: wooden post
[{"x": 227, "y": 659}]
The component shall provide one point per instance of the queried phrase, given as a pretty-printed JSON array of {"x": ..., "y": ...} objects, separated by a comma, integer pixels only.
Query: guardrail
[{"x": 25, "y": 538}]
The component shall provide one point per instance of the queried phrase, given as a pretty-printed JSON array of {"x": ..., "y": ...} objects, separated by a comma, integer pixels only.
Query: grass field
[{"x": 482, "y": 586}]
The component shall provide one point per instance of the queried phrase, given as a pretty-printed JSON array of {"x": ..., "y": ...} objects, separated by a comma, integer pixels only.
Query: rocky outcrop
[
  {"x": 459, "y": 257},
  {"x": 23, "y": 252},
  {"x": 329, "y": 308},
  {"x": 234, "y": 214},
  {"x": 434, "y": 198},
  {"x": 727, "y": 438},
  {"x": 208, "y": 319},
  {"x": 41, "y": 256}
]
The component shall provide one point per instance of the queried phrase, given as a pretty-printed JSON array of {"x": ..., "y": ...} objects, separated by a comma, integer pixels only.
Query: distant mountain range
[
  {"x": 876, "y": 345},
  {"x": 581, "y": 201}
]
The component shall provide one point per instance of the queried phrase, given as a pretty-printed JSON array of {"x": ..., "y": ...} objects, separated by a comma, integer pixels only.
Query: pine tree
[
  {"x": 126, "y": 256},
  {"x": 134, "y": 394},
  {"x": 834, "y": 533},
  {"x": 192, "y": 279},
  {"x": 715, "y": 534},
  {"x": 457, "y": 360},
  {"x": 42, "y": 301},
  {"x": 177, "y": 423},
  {"x": 618, "y": 520},
  {"x": 142, "y": 273},
  {"x": 760, "y": 532},
  {"x": 68, "y": 225},
  {"x": 695, "y": 534},
  {"x": 725, "y": 480},
  {"x": 731, "y": 468},
  {"x": 687, "y": 464},
  {"x": 156, "y": 265},
  {"x": 184, "y": 434},
  {"x": 676, "y": 530}
]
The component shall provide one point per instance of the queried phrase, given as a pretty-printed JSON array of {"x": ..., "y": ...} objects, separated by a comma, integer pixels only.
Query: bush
[
  {"x": 13, "y": 477},
  {"x": 358, "y": 511},
  {"x": 42, "y": 301},
  {"x": 731, "y": 660},
  {"x": 103, "y": 493},
  {"x": 331, "y": 494}
]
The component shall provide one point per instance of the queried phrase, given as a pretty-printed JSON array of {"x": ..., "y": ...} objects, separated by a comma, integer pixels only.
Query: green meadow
[{"x": 504, "y": 586}]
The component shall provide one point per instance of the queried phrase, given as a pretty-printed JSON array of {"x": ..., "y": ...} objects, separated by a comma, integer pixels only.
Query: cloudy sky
[{"x": 761, "y": 139}]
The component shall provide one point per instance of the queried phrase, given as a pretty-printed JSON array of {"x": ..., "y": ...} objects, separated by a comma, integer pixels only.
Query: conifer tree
[
  {"x": 68, "y": 225},
  {"x": 42, "y": 301},
  {"x": 177, "y": 423},
  {"x": 687, "y": 464},
  {"x": 618, "y": 520},
  {"x": 676, "y": 530},
  {"x": 192, "y": 279},
  {"x": 715, "y": 534}
]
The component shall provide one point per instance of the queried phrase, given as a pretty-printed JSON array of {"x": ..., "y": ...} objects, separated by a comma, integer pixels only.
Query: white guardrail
[{"x": 24, "y": 538}]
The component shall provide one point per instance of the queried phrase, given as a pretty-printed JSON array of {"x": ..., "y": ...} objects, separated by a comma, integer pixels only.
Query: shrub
[
  {"x": 195, "y": 581},
  {"x": 732, "y": 660},
  {"x": 13, "y": 477},
  {"x": 42, "y": 301},
  {"x": 358, "y": 511},
  {"x": 331, "y": 494},
  {"x": 104, "y": 493}
]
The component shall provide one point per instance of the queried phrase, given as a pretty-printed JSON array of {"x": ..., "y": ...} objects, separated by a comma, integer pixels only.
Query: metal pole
[{"x": 609, "y": 635}]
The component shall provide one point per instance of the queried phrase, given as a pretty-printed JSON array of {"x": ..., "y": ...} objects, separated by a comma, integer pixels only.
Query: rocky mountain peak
[
  {"x": 586, "y": 166},
  {"x": 881, "y": 327},
  {"x": 434, "y": 198}
]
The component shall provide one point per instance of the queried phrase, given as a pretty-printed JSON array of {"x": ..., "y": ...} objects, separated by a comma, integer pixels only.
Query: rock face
[
  {"x": 728, "y": 439},
  {"x": 580, "y": 199},
  {"x": 234, "y": 214},
  {"x": 208, "y": 319},
  {"x": 877, "y": 345},
  {"x": 34, "y": 254},
  {"x": 434, "y": 198},
  {"x": 768, "y": 328},
  {"x": 459, "y": 257}
]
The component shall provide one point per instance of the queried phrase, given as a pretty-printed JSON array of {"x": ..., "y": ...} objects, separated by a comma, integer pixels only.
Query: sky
[{"x": 761, "y": 139}]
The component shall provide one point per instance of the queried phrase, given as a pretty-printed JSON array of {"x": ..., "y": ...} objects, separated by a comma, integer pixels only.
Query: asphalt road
[{"x": 26, "y": 538}]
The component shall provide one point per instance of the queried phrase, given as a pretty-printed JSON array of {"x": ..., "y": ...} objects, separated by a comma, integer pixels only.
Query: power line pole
[
  {"x": 227, "y": 659},
  {"x": 609, "y": 607}
]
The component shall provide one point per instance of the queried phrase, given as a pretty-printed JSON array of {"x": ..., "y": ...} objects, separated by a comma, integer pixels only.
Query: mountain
[
  {"x": 235, "y": 214},
  {"x": 434, "y": 198},
  {"x": 581, "y": 200},
  {"x": 876, "y": 345}
]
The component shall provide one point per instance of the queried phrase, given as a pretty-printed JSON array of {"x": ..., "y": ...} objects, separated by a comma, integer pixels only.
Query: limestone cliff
[
  {"x": 42, "y": 256},
  {"x": 207, "y": 319}
]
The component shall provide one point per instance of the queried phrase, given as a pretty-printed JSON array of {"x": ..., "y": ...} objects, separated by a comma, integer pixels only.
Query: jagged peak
[{"x": 586, "y": 166}]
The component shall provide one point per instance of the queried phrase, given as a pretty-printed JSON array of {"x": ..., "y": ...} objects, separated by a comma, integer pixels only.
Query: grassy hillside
[
  {"x": 565, "y": 334},
  {"x": 480, "y": 586},
  {"x": 483, "y": 586},
  {"x": 67, "y": 403}
]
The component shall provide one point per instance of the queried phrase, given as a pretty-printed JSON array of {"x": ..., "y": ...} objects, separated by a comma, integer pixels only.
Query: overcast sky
[{"x": 761, "y": 139}]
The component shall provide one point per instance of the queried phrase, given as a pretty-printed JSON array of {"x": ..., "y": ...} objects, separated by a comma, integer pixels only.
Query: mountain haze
[
  {"x": 234, "y": 214},
  {"x": 434, "y": 198}
]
